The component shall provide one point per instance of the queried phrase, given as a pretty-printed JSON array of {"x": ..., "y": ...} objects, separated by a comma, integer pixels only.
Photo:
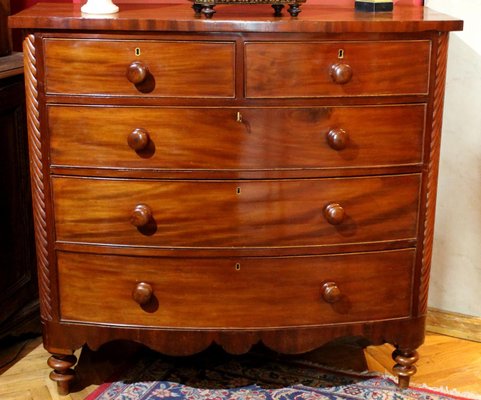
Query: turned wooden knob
[
  {"x": 141, "y": 215},
  {"x": 142, "y": 293},
  {"x": 330, "y": 292},
  {"x": 337, "y": 139},
  {"x": 334, "y": 213},
  {"x": 137, "y": 72},
  {"x": 138, "y": 139},
  {"x": 341, "y": 73}
]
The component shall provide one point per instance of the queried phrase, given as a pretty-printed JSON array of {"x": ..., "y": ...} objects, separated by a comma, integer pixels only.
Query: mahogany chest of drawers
[{"x": 236, "y": 180}]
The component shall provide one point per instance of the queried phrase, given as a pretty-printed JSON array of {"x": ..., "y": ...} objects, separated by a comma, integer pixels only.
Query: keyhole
[
  {"x": 238, "y": 190},
  {"x": 237, "y": 267},
  {"x": 340, "y": 54},
  {"x": 137, "y": 51}
]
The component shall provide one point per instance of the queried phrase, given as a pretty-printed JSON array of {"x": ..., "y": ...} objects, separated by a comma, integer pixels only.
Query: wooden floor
[{"x": 445, "y": 362}]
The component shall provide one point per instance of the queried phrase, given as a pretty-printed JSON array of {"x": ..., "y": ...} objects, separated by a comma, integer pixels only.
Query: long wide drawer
[
  {"x": 157, "y": 68},
  {"x": 235, "y": 293},
  {"x": 225, "y": 214},
  {"x": 235, "y": 139},
  {"x": 327, "y": 69}
]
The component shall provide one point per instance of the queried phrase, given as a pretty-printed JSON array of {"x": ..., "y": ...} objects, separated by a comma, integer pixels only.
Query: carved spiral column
[
  {"x": 441, "y": 60},
  {"x": 37, "y": 177}
]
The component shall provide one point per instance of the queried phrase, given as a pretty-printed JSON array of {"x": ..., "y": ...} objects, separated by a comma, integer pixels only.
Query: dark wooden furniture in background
[
  {"x": 234, "y": 181},
  {"x": 5, "y": 37},
  {"x": 18, "y": 279}
]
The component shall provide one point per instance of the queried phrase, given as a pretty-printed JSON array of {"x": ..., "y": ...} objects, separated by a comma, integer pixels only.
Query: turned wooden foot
[
  {"x": 62, "y": 372},
  {"x": 404, "y": 367}
]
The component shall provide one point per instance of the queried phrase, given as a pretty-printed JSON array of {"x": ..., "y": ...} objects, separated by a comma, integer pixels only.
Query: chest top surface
[{"x": 180, "y": 17}]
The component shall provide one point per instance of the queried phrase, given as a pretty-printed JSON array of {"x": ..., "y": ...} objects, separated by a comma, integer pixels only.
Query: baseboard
[{"x": 454, "y": 324}]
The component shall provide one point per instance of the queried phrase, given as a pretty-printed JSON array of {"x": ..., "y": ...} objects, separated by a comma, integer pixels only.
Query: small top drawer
[
  {"x": 140, "y": 68},
  {"x": 327, "y": 69}
]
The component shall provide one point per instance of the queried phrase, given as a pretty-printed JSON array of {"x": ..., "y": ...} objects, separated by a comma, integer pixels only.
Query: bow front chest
[{"x": 237, "y": 180}]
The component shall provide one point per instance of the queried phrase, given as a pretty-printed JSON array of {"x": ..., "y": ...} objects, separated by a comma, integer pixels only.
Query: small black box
[{"x": 373, "y": 6}]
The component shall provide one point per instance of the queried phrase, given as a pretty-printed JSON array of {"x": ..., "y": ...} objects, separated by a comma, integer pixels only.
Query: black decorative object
[
  {"x": 206, "y": 7},
  {"x": 374, "y": 5}
]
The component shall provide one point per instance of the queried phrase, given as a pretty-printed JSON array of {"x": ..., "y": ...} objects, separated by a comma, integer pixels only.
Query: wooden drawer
[
  {"x": 212, "y": 139},
  {"x": 377, "y": 68},
  {"x": 225, "y": 214},
  {"x": 235, "y": 293},
  {"x": 175, "y": 68}
]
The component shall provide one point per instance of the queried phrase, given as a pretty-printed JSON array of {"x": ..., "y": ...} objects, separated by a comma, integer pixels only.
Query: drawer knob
[
  {"x": 137, "y": 72},
  {"x": 141, "y": 215},
  {"x": 337, "y": 139},
  {"x": 138, "y": 139},
  {"x": 331, "y": 292},
  {"x": 142, "y": 293},
  {"x": 341, "y": 73},
  {"x": 334, "y": 213}
]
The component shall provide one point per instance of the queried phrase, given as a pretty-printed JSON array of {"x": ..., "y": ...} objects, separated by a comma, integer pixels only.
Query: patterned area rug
[{"x": 252, "y": 377}]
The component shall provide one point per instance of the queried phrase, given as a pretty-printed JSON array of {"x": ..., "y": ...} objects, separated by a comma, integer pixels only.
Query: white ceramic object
[{"x": 99, "y": 7}]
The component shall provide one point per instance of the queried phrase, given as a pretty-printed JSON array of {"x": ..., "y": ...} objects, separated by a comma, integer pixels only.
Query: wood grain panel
[
  {"x": 163, "y": 17},
  {"x": 214, "y": 293},
  {"x": 180, "y": 69},
  {"x": 227, "y": 214},
  {"x": 378, "y": 68},
  {"x": 211, "y": 138}
]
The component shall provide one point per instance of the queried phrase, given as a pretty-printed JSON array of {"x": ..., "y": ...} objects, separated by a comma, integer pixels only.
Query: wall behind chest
[
  {"x": 18, "y": 5},
  {"x": 456, "y": 274}
]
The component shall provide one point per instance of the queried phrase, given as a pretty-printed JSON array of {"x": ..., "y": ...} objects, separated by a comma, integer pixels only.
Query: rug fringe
[
  {"x": 461, "y": 395},
  {"x": 445, "y": 389}
]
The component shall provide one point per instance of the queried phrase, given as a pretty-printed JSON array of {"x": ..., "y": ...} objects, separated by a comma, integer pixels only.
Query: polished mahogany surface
[
  {"x": 344, "y": 138},
  {"x": 234, "y": 180},
  {"x": 224, "y": 214},
  {"x": 292, "y": 299},
  {"x": 168, "y": 68},
  {"x": 321, "y": 69},
  {"x": 180, "y": 17}
]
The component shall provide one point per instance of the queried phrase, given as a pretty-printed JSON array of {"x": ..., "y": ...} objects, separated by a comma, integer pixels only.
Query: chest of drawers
[{"x": 234, "y": 181}]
